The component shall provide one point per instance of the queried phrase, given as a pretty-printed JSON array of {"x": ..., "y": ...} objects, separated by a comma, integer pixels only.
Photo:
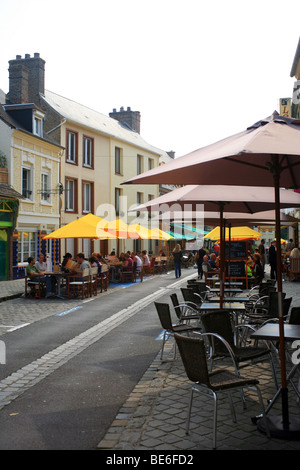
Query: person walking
[
  {"x": 177, "y": 255},
  {"x": 201, "y": 254},
  {"x": 262, "y": 252}
]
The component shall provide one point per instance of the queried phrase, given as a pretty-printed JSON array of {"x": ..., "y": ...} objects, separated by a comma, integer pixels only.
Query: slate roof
[
  {"x": 84, "y": 116},
  {"x": 8, "y": 191}
]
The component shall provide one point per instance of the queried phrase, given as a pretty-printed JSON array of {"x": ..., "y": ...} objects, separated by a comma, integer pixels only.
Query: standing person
[
  {"x": 272, "y": 260},
  {"x": 262, "y": 252},
  {"x": 257, "y": 269},
  {"x": 177, "y": 255},
  {"x": 201, "y": 254}
]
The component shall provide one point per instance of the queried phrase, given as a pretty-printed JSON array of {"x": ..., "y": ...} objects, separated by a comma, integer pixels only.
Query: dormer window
[{"x": 38, "y": 123}]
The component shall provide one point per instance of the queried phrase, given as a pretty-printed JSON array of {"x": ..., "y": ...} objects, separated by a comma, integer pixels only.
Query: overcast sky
[{"x": 198, "y": 71}]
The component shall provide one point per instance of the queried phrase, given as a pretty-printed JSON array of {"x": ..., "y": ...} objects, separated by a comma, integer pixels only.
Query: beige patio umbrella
[
  {"x": 267, "y": 153},
  {"x": 236, "y": 198}
]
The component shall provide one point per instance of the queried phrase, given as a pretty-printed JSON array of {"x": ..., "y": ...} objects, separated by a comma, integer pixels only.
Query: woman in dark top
[{"x": 177, "y": 255}]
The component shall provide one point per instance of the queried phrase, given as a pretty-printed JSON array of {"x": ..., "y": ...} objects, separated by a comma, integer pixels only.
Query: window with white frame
[
  {"x": 118, "y": 162},
  {"x": 38, "y": 123},
  {"x": 117, "y": 200},
  {"x": 27, "y": 245},
  {"x": 45, "y": 187},
  {"x": 86, "y": 197},
  {"x": 70, "y": 200},
  {"x": 27, "y": 183},
  {"x": 139, "y": 169},
  {"x": 88, "y": 146},
  {"x": 150, "y": 163},
  {"x": 71, "y": 147}
]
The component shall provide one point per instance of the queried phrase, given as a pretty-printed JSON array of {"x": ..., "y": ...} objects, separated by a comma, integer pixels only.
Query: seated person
[
  {"x": 213, "y": 261},
  {"x": 137, "y": 262},
  {"x": 258, "y": 269},
  {"x": 41, "y": 264},
  {"x": 145, "y": 257},
  {"x": 82, "y": 263},
  {"x": 95, "y": 263},
  {"x": 128, "y": 264},
  {"x": 33, "y": 273},
  {"x": 67, "y": 264},
  {"x": 206, "y": 267}
]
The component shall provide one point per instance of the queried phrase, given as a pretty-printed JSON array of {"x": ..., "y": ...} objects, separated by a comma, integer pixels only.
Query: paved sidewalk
[{"x": 153, "y": 417}]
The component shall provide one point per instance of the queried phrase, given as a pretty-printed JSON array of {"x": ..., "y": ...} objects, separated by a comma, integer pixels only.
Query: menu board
[
  {"x": 237, "y": 250},
  {"x": 237, "y": 269}
]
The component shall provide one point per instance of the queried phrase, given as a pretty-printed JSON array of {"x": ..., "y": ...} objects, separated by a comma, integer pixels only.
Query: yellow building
[{"x": 33, "y": 162}]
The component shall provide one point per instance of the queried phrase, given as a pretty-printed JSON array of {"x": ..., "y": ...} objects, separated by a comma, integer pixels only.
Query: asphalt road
[{"x": 67, "y": 375}]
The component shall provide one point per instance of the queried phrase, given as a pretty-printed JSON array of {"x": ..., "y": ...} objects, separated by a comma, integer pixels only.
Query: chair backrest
[
  {"x": 152, "y": 261},
  {"x": 295, "y": 265},
  {"x": 86, "y": 273},
  {"x": 199, "y": 286},
  {"x": 94, "y": 271},
  {"x": 164, "y": 314},
  {"x": 295, "y": 316},
  {"x": 273, "y": 303},
  {"x": 56, "y": 268},
  {"x": 188, "y": 295},
  {"x": 192, "y": 352},
  {"x": 175, "y": 303},
  {"x": 104, "y": 268},
  {"x": 219, "y": 322},
  {"x": 286, "y": 306}
]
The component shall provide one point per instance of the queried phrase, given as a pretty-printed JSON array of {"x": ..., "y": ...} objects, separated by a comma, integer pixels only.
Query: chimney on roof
[
  {"x": 131, "y": 118},
  {"x": 26, "y": 79}
]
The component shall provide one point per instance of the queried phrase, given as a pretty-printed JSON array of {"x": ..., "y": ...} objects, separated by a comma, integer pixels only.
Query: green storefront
[{"x": 9, "y": 205}]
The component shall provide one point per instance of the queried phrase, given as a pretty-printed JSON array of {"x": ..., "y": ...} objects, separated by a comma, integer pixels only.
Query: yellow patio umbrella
[
  {"x": 85, "y": 227},
  {"x": 158, "y": 234},
  {"x": 236, "y": 233},
  {"x": 118, "y": 229},
  {"x": 143, "y": 232}
]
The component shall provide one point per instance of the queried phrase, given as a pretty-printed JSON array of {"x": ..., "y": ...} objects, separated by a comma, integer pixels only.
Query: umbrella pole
[
  {"x": 282, "y": 427},
  {"x": 222, "y": 253},
  {"x": 284, "y": 392}
]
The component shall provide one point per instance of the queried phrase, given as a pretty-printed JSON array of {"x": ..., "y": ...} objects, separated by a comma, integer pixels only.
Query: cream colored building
[
  {"x": 100, "y": 152},
  {"x": 116, "y": 153}
]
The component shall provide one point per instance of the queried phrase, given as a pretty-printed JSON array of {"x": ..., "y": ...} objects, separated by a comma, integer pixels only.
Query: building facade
[
  {"x": 98, "y": 153},
  {"x": 33, "y": 165}
]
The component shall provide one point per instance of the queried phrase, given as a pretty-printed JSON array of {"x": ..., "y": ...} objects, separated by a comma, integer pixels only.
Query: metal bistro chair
[
  {"x": 192, "y": 352},
  {"x": 191, "y": 297},
  {"x": 164, "y": 314},
  {"x": 184, "y": 311},
  {"x": 222, "y": 344}
]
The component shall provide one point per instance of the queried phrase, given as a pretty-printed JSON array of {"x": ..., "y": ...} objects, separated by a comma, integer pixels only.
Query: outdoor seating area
[
  {"x": 79, "y": 277},
  {"x": 220, "y": 345}
]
